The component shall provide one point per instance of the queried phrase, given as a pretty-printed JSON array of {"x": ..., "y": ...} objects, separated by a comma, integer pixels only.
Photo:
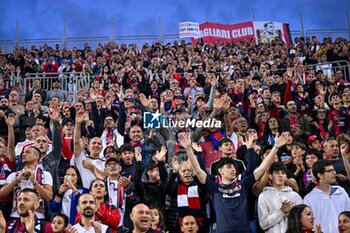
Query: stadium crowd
[{"x": 135, "y": 152}]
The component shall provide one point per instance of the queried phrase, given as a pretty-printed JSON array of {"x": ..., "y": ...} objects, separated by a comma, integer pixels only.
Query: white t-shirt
[
  {"x": 46, "y": 180},
  {"x": 66, "y": 202},
  {"x": 86, "y": 175},
  {"x": 19, "y": 147},
  {"x": 80, "y": 228}
]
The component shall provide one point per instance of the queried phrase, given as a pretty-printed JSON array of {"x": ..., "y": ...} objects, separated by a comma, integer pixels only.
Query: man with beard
[
  {"x": 295, "y": 123},
  {"x": 27, "y": 203},
  {"x": 31, "y": 176},
  {"x": 87, "y": 209},
  {"x": 56, "y": 91},
  {"x": 141, "y": 218},
  {"x": 4, "y": 110}
]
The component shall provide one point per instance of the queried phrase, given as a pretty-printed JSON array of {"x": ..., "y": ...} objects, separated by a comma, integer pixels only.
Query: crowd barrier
[
  {"x": 329, "y": 68},
  {"x": 70, "y": 82}
]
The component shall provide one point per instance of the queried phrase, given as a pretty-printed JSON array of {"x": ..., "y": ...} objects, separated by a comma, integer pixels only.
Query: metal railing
[
  {"x": 51, "y": 42},
  {"x": 70, "y": 82},
  {"x": 8, "y": 45},
  {"x": 296, "y": 34},
  {"x": 332, "y": 33},
  {"x": 93, "y": 41},
  {"x": 328, "y": 68},
  {"x": 70, "y": 42},
  {"x": 138, "y": 40}
]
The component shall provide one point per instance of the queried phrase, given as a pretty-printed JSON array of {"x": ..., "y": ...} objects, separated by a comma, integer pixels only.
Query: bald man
[
  {"x": 141, "y": 218},
  {"x": 189, "y": 224}
]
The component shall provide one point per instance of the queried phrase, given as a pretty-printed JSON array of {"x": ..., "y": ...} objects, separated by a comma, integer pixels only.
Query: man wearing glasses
[{"x": 326, "y": 200}]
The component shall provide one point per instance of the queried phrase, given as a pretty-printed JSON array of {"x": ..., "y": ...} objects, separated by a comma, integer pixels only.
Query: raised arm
[
  {"x": 57, "y": 134},
  {"x": 77, "y": 133},
  {"x": 160, "y": 158},
  {"x": 187, "y": 144},
  {"x": 280, "y": 140},
  {"x": 10, "y": 121}
]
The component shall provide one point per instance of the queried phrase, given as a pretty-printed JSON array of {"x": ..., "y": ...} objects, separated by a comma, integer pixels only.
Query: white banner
[
  {"x": 267, "y": 31},
  {"x": 189, "y": 30}
]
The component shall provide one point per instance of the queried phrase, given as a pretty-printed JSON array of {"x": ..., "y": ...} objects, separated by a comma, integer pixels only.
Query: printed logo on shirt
[{"x": 231, "y": 192}]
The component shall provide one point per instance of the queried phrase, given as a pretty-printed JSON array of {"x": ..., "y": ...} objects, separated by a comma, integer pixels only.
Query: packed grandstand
[{"x": 232, "y": 135}]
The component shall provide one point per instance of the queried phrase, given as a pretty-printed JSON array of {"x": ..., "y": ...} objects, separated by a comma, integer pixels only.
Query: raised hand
[
  {"x": 184, "y": 140},
  {"x": 175, "y": 164},
  {"x": 10, "y": 119},
  {"x": 120, "y": 94},
  {"x": 92, "y": 93},
  {"x": 290, "y": 71},
  {"x": 214, "y": 81},
  {"x": 250, "y": 141},
  {"x": 281, "y": 140},
  {"x": 54, "y": 114},
  {"x": 144, "y": 101},
  {"x": 196, "y": 147},
  {"x": 79, "y": 118},
  {"x": 160, "y": 155}
]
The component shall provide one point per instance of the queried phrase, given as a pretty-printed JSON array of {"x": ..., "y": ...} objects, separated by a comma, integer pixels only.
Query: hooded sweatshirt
[
  {"x": 271, "y": 217},
  {"x": 326, "y": 208}
]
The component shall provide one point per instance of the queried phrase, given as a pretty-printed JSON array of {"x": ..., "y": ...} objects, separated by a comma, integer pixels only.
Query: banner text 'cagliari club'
[{"x": 262, "y": 32}]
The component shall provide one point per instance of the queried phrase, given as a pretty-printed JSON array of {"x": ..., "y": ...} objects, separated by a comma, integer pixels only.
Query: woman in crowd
[
  {"x": 66, "y": 198},
  {"x": 271, "y": 129},
  {"x": 344, "y": 222},
  {"x": 307, "y": 182},
  {"x": 301, "y": 220}
]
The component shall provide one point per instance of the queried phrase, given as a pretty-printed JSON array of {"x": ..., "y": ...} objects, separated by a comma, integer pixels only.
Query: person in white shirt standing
[
  {"x": 276, "y": 201},
  {"x": 94, "y": 147},
  {"x": 327, "y": 201}
]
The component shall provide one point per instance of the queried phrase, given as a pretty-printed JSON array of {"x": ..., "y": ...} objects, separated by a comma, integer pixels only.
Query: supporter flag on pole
[{"x": 189, "y": 30}]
